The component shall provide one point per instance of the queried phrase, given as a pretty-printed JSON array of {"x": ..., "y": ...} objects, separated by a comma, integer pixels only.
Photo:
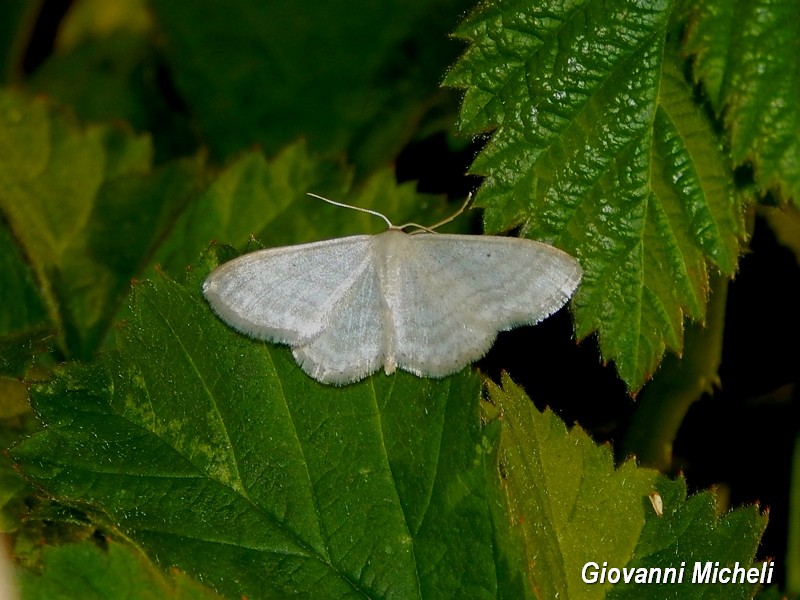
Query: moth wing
[
  {"x": 287, "y": 295},
  {"x": 458, "y": 291},
  {"x": 352, "y": 344}
]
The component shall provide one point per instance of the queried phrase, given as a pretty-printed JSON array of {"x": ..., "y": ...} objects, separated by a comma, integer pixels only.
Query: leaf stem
[{"x": 679, "y": 383}]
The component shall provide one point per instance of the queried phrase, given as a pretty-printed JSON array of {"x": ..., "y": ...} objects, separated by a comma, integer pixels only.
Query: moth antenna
[
  {"x": 464, "y": 206},
  {"x": 432, "y": 228},
  {"x": 358, "y": 208}
]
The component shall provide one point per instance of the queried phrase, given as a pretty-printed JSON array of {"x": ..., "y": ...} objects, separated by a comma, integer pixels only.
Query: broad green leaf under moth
[
  {"x": 424, "y": 302},
  {"x": 245, "y": 473}
]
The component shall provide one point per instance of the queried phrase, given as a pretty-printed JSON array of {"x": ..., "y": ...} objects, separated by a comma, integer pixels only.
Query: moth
[{"x": 425, "y": 302}]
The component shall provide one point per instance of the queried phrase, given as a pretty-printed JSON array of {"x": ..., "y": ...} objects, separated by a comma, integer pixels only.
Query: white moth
[{"x": 423, "y": 302}]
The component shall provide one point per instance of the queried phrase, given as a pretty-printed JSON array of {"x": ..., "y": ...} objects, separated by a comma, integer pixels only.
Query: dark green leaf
[
  {"x": 16, "y": 26},
  {"x": 793, "y": 534},
  {"x": 16, "y": 422},
  {"x": 23, "y": 308},
  {"x": 218, "y": 455},
  {"x": 86, "y": 209},
  {"x": 600, "y": 150},
  {"x": 24, "y": 331},
  {"x": 773, "y": 592},
  {"x": 115, "y": 75},
  {"x": 747, "y": 58},
  {"x": 268, "y": 201},
  {"x": 345, "y": 75},
  {"x": 692, "y": 532},
  {"x": 101, "y": 79}
]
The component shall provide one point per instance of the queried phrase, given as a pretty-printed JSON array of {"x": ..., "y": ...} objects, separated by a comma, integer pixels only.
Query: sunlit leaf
[
  {"x": 573, "y": 507},
  {"x": 747, "y": 58},
  {"x": 599, "y": 148},
  {"x": 116, "y": 573}
]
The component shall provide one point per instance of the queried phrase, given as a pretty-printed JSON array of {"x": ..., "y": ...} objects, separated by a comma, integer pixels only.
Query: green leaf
[
  {"x": 268, "y": 200},
  {"x": 22, "y": 306},
  {"x": 565, "y": 497},
  {"x": 793, "y": 534},
  {"x": 250, "y": 197},
  {"x": 785, "y": 224},
  {"x": 86, "y": 208},
  {"x": 24, "y": 330},
  {"x": 662, "y": 406},
  {"x": 692, "y": 531},
  {"x": 747, "y": 58},
  {"x": 599, "y": 149},
  {"x": 268, "y": 73},
  {"x": 101, "y": 79},
  {"x": 16, "y": 421},
  {"x": 217, "y": 454},
  {"x": 95, "y": 19},
  {"x": 16, "y": 27},
  {"x": 116, "y": 78},
  {"x": 572, "y": 507},
  {"x": 771, "y": 593},
  {"x": 90, "y": 213},
  {"x": 119, "y": 572},
  {"x": 107, "y": 66}
]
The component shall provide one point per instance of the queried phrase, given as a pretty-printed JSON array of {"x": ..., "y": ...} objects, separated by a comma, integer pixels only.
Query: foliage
[
  {"x": 172, "y": 457},
  {"x": 106, "y": 574},
  {"x": 607, "y": 157}
]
